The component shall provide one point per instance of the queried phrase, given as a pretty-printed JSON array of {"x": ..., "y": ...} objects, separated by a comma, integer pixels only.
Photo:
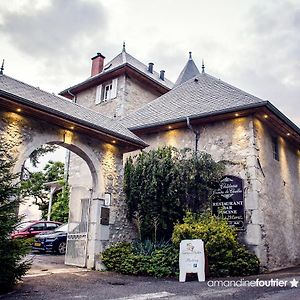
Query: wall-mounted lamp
[{"x": 68, "y": 135}]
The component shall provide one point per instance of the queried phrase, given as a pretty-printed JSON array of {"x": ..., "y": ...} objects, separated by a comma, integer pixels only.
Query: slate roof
[
  {"x": 189, "y": 71},
  {"x": 120, "y": 61},
  {"x": 29, "y": 95},
  {"x": 200, "y": 96}
]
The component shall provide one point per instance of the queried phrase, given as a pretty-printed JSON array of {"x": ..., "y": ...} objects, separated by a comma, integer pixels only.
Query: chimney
[
  {"x": 97, "y": 64},
  {"x": 150, "y": 67},
  {"x": 162, "y": 75}
]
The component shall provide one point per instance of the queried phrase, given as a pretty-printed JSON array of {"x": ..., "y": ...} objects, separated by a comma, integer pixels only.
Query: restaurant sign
[{"x": 228, "y": 200}]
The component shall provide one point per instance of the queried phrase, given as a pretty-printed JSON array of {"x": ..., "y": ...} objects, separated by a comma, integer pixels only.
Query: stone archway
[{"x": 20, "y": 134}]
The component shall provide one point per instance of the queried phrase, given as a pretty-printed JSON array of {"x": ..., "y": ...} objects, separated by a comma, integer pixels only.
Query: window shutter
[
  {"x": 98, "y": 94},
  {"x": 114, "y": 88}
]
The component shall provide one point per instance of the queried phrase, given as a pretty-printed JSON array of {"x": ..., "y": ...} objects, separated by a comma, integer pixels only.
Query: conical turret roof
[{"x": 189, "y": 71}]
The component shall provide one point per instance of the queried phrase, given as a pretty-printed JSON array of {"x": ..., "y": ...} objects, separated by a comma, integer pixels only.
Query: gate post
[{"x": 98, "y": 233}]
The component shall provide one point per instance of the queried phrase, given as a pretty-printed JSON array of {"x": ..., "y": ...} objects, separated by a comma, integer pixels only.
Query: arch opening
[{"x": 82, "y": 180}]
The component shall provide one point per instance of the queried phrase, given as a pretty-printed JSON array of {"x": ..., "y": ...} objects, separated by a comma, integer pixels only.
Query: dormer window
[{"x": 106, "y": 91}]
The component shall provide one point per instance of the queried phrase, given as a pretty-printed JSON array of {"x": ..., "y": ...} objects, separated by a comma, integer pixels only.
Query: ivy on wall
[{"x": 160, "y": 185}]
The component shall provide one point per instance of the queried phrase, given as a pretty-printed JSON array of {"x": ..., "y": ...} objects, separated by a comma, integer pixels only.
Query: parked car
[
  {"x": 31, "y": 228},
  {"x": 54, "y": 241}
]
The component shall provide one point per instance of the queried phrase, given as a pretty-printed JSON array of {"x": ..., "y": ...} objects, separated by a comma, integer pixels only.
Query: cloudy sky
[{"x": 252, "y": 44}]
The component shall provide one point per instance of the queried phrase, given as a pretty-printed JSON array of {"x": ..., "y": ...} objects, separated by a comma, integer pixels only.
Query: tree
[
  {"x": 60, "y": 209},
  {"x": 160, "y": 185},
  {"x": 34, "y": 184},
  {"x": 12, "y": 252},
  {"x": 39, "y": 152}
]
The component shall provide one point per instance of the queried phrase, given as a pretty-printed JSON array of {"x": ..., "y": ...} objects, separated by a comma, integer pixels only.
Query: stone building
[{"x": 259, "y": 143}]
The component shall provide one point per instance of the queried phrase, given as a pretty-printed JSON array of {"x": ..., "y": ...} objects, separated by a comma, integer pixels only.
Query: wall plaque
[{"x": 228, "y": 200}]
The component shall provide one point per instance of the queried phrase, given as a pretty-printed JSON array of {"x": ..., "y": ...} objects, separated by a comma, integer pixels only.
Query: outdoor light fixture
[
  {"x": 169, "y": 127},
  {"x": 288, "y": 134},
  {"x": 107, "y": 199},
  {"x": 68, "y": 136},
  {"x": 19, "y": 110},
  {"x": 113, "y": 141},
  {"x": 72, "y": 127},
  {"x": 236, "y": 114},
  {"x": 266, "y": 116}
]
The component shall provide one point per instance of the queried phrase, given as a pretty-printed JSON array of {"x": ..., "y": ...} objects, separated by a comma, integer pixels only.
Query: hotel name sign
[{"x": 228, "y": 200}]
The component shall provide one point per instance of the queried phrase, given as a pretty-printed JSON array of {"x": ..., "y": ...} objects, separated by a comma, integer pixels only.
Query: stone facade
[{"x": 278, "y": 195}]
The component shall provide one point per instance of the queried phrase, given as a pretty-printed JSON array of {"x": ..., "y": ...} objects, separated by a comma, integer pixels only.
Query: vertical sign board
[
  {"x": 191, "y": 259},
  {"x": 104, "y": 219},
  {"x": 228, "y": 200}
]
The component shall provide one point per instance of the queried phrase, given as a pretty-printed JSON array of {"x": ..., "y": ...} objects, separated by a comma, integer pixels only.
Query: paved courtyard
[{"x": 49, "y": 279}]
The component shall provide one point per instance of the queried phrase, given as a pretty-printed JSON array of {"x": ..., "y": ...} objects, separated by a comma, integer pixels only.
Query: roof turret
[{"x": 189, "y": 71}]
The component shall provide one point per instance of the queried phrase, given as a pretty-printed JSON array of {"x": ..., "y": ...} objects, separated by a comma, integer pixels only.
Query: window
[
  {"x": 38, "y": 227},
  {"x": 51, "y": 226},
  {"x": 106, "y": 91},
  {"x": 275, "y": 148}
]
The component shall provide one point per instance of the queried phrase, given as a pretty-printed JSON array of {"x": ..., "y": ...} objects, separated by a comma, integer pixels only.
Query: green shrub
[
  {"x": 114, "y": 257},
  {"x": 159, "y": 260},
  {"x": 226, "y": 256},
  {"x": 161, "y": 184},
  {"x": 164, "y": 262}
]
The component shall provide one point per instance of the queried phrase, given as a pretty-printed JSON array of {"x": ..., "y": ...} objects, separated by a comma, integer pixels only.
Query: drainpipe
[
  {"x": 196, "y": 132},
  {"x": 74, "y": 96}
]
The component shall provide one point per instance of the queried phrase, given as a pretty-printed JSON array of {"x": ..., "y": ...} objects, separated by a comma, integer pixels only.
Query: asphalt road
[{"x": 49, "y": 279}]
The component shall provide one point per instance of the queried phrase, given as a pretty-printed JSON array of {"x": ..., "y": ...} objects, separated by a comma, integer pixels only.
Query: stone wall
[
  {"x": 120, "y": 228},
  {"x": 137, "y": 95},
  {"x": 279, "y": 196}
]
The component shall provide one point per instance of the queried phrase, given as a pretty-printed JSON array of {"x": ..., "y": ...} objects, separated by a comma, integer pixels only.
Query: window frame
[{"x": 106, "y": 91}]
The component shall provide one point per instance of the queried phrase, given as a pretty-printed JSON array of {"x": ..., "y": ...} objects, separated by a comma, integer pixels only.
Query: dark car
[
  {"x": 54, "y": 241},
  {"x": 31, "y": 228}
]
